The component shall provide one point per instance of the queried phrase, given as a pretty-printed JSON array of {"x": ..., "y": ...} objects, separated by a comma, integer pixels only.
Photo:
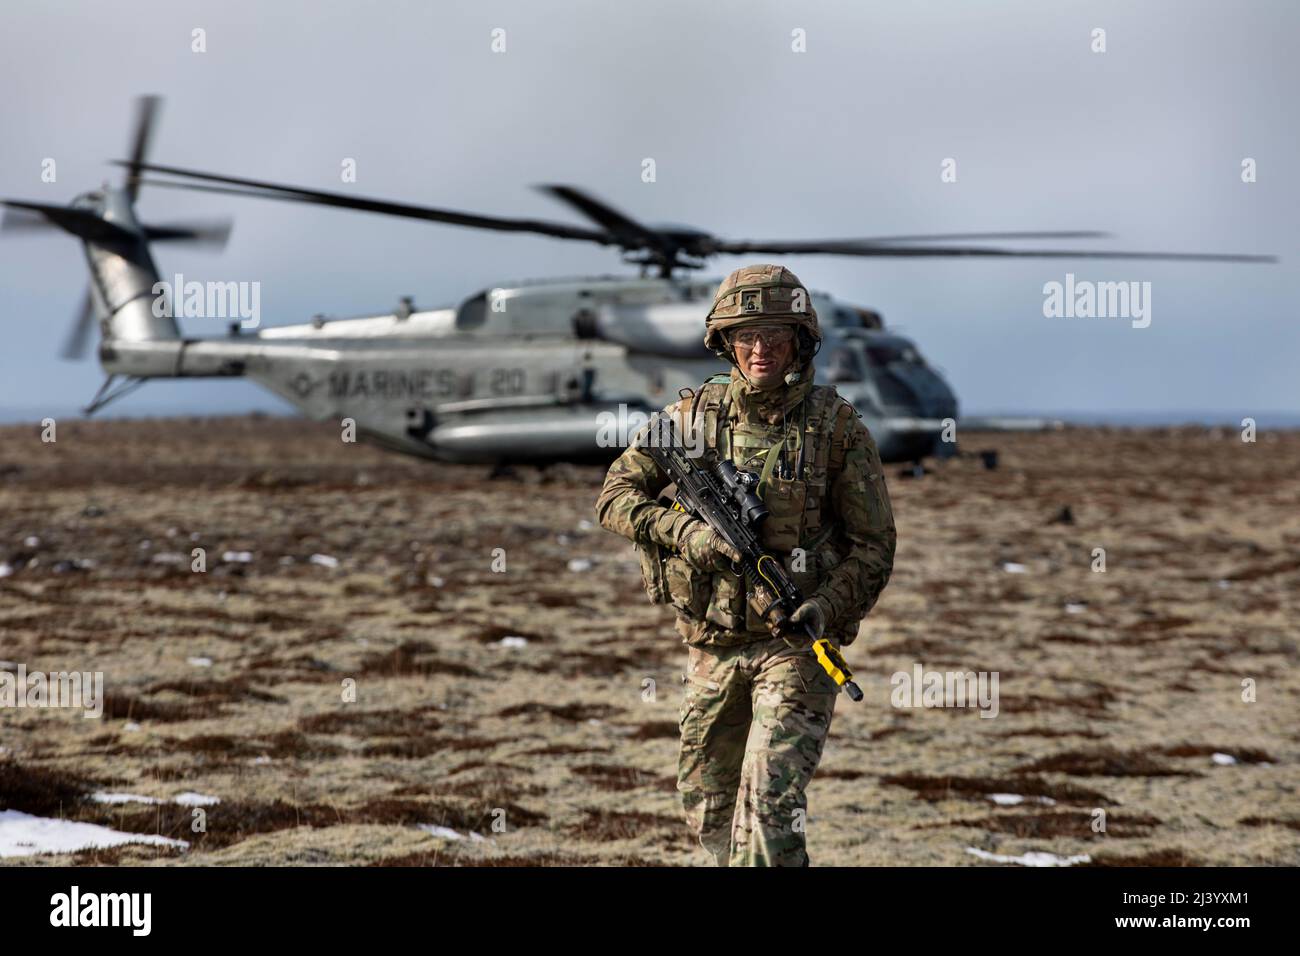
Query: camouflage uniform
[{"x": 756, "y": 712}]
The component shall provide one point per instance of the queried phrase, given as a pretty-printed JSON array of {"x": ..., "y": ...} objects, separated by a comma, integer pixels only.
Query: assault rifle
[{"x": 714, "y": 490}]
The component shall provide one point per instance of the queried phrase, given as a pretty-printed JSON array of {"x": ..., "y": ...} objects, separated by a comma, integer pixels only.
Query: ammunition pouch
[
  {"x": 670, "y": 579},
  {"x": 688, "y": 587},
  {"x": 726, "y": 606},
  {"x": 653, "y": 575}
]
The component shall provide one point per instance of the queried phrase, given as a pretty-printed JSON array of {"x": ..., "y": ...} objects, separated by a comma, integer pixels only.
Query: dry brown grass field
[{"x": 1120, "y": 690}]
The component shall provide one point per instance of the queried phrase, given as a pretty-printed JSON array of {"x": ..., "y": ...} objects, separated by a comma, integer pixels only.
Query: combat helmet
[{"x": 762, "y": 294}]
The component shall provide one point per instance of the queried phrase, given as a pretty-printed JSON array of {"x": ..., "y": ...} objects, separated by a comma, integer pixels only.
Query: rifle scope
[{"x": 740, "y": 487}]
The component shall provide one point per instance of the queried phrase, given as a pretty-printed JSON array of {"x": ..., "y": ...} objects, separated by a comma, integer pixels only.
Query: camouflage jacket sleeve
[
  {"x": 627, "y": 503},
  {"x": 860, "y": 503}
]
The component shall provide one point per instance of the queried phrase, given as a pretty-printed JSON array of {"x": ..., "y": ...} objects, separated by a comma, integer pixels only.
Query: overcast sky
[{"x": 750, "y": 140}]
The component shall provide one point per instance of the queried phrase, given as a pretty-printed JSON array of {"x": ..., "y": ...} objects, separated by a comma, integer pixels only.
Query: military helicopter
[{"x": 537, "y": 371}]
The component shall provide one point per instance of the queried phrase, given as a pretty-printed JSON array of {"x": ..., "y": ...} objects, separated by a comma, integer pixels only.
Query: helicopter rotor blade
[
  {"x": 619, "y": 230},
  {"x": 209, "y": 233},
  {"x": 83, "y": 323},
  {"x": 19, "y": 220},
  {"x": 631, "y": 234},
  {"x": 79, "y": 222},
  {"x": 146, "y": 116},
  {"x": 218, "y": 190},
  {"x": 267, "y": 190},
  {"x": 951, "y": 236},
  {"x": 903, "y": 252},
  {"x": 818, "y": 245}
]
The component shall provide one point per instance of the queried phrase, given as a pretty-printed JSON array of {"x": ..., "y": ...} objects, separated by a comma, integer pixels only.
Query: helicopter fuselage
[{"x": 537, "y": 371}]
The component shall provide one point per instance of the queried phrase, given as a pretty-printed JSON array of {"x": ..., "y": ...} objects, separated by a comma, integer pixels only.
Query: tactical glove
[
  {"x": 704, "y": 549},
  {"x": 810, "y": 612}
]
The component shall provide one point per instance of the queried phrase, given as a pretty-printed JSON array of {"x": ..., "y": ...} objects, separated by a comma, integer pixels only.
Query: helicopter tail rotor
[
  {"x": 117, "y": 245},
  {"x": 146, "y": 118}
]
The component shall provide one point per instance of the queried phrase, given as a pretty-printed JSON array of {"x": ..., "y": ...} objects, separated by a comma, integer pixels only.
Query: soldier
[{"x": 757, "y": 708}]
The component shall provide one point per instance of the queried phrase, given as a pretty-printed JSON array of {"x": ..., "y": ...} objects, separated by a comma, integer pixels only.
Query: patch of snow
[
  {"x": 579, "y": 564},
  {"x": 1013, "y": 799},
  {"x": 182, "y": 799},
  {"x": 131, "y": 725},
  {"x": 102, "y": 797},
  {"x": 1032, "y": 858},
  {"x": 168, "y": 557},
  {"x": 436, "y": 581},
  {"x": 585, "y": 525},
  {"x": 1223, "y": 760},
  {"x": 513, "y": 640},
  {"x": 32, "y": 541},
  {"x": 6, "y": 569},
  {"x": 445, "y": 832},
  {"x": 1012, "y": 568},
  {"x": 324, "y": 560},
  {"x": 237, "y": 557},
  {"x": 191, "y": 799},
  {"x": 199, "y": 661},
  {"x": 1075, "y": 608},
  {"x": 22, "y": 834}
]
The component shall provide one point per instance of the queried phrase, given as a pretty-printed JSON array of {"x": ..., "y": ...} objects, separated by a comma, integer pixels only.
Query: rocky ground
[{"x": 537, "y": 706}]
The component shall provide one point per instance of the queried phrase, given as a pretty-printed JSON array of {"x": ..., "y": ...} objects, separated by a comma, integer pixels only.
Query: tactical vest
[{"x": 798, "y": 465}]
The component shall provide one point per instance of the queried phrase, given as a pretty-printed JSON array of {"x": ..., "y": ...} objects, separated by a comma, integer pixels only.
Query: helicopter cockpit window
[
  {"x": 906, "y": 354},
  {"x": 845, "y": 365},
  {"x": 472, "y": 312}
]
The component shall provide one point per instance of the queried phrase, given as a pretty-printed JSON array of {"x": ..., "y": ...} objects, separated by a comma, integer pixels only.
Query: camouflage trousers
[{"x": 754, "y": 720}]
